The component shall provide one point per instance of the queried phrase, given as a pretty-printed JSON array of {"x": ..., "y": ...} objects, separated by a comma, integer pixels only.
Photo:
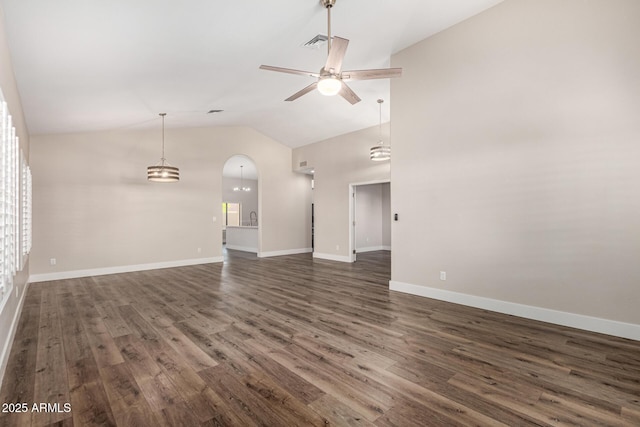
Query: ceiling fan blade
[
  {"x": 336, "y": 54},
  {"x": 348, "y": 94},
  {"x": 289, "y": 71},
  {"x": 381, "y": 73},
  {"x": 304, "y": 91}
]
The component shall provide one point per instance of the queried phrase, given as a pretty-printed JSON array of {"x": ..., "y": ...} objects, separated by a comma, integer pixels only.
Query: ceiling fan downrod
[{"x": 328, "y": 4}]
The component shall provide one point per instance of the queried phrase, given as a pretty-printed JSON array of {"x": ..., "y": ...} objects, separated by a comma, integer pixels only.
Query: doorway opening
[
  {"x": 370, "y": 214},
  {"x": 240, "y": 205}
]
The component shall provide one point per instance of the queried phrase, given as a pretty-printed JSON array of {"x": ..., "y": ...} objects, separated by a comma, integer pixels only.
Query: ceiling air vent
[{"x": 316, "y": 42}]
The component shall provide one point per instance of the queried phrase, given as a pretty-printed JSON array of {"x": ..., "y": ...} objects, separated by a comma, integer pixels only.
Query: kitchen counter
[{"x": 242, "y": 238}]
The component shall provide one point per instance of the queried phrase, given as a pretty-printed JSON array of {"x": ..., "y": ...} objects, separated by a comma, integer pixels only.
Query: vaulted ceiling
[{"x": 104, "y": 65}]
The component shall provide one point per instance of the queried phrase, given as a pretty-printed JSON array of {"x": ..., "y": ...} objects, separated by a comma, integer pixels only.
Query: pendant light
[
  {"x": 242, "y": 187},
  {"x": 380, "y": 152},
  {"x": 163, "y": 171}
]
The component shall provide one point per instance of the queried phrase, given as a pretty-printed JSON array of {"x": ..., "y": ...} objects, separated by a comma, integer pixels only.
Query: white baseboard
[
  {"x": 285, "y": 252},
  {"x": 579, "y": 321},
  {"x": 6, "y": 346},
  {"x": 373, "y": 249},
  {"x": 242, "y": 248},
  {"x": 332, "y": 257},
  {"x": 120, "y": 269}
]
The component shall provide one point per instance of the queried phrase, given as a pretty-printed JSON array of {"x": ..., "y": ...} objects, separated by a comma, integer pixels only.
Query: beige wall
[
  {"x": 94, "y": 208},
  {"x": 10, "y": 311},
  {"x": 338, "y": 162},
  {"x": 516, "y": 158}
]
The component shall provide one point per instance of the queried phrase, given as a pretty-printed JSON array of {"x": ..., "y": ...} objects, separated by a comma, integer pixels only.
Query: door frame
[{"x": 352, "y": 213}]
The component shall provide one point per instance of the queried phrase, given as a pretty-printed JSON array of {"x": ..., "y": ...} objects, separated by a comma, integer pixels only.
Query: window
[
  {"x": 231, "y": 214},
  {"x": 15, "y": 199}
]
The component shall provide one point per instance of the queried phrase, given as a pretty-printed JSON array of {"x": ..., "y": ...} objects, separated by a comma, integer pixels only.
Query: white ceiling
[{"x": 87, "y": 65}]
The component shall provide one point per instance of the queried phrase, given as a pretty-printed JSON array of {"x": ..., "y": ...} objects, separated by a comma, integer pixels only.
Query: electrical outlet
[
  {"x": 52, "y": 261},
  {"x": 443, "y": 275}
]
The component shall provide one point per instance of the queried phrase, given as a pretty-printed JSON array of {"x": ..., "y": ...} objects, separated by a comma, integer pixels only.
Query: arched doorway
[{"x": 240, "y": 205}]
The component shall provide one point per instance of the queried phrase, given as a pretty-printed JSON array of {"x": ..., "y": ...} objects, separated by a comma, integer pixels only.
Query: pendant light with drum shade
[
  {"x": 380, "y": 152},
  {"x": 163, "y": 171}
]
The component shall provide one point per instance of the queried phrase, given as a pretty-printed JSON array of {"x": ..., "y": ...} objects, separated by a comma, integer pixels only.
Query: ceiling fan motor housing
[{"x": 331, "y": 72}]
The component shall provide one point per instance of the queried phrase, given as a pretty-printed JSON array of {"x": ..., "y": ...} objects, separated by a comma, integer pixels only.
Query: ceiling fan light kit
[
  {"x": 329, "y": 86},
  {"x": 331, "y": 79},
  {"x": 163, "y": 171}
]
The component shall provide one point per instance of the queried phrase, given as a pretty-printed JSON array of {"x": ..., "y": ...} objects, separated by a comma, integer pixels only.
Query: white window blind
[
  {"x": 26, "y": 210},
  {"x": 5, "y": 217},
  {"x": 15, "y": 199}
]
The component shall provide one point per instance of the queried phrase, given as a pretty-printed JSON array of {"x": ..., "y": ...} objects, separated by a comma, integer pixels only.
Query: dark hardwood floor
[{"x": 290, "y": 341}]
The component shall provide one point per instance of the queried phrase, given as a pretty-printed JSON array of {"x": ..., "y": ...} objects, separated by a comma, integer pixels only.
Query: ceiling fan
[{"x": 331, "y": 79}]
